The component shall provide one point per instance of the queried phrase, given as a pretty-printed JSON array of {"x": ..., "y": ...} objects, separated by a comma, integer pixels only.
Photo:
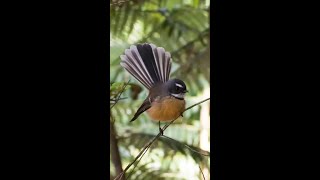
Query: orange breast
[{"x": 167, "y": 109}]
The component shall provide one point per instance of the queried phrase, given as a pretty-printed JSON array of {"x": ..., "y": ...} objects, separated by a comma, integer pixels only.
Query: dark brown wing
[{"x": 145, "y": 106}]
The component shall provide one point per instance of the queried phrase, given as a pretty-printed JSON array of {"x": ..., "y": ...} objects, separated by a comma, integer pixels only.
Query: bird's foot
[{"x": 161, "y": 131}]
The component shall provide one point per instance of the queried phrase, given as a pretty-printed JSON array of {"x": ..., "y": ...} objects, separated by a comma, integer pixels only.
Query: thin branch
[
  {"x": 118, "y": 98},
  {"x": 202, "y": 173},
  {"x": 146, "y": 150},
  {"x": 197, "y": 104},
  {"x": 146, "y": 147}
]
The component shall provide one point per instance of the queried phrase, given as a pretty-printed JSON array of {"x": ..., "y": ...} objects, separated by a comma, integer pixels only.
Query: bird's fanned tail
[{"x": 148, "y": 63}]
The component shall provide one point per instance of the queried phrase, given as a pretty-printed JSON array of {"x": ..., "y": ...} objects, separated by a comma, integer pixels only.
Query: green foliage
[
  {"x": 117, "y": 87},
  {"x": 170, "y": 147},
  {"x": 182, "y": 28}
]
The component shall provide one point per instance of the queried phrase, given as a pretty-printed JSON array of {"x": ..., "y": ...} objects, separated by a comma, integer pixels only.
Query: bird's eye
[{"x": 177, "y": 88}]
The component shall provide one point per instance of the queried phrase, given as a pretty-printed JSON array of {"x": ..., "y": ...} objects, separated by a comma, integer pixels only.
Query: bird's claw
[{"x": 161, "y": 131}]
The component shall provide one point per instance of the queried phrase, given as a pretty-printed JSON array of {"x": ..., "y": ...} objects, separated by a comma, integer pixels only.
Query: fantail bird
[{"x": 151, "y": 66}]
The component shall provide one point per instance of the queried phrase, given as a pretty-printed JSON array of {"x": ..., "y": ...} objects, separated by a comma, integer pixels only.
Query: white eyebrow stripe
[{"x": 179, "y": 85}]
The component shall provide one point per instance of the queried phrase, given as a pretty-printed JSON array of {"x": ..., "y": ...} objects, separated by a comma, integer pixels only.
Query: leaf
[
  {"x": 115, "y": 18},
  {"x": 171, "y": 28},
  {"x": 134, "y": 16},
  {"x": 124, "y": 18}
]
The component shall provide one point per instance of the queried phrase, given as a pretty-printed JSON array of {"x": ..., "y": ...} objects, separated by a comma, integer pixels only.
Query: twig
[
  {"x": 118, "y": 98},
  {"x": 140, "y": 154},
  {"x": 146, "y": 150},
  {"x": 146, "y": 147},
  {"x": 196, "y": 104},
  {"x": 202, "y": 173}
]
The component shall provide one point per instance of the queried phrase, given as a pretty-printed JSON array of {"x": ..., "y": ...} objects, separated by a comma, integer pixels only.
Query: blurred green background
[{"x": 182, "y": 28}]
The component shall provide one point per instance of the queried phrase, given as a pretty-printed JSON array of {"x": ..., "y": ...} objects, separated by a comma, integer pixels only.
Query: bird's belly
[{"x": 167, "y": 109}]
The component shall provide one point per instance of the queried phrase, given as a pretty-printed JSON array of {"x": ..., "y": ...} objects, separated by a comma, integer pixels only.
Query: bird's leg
[{"x": 161, "y": 131}]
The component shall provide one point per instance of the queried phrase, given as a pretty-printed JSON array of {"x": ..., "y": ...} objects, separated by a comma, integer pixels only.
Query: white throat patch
[{"x": 180, "y": 95}]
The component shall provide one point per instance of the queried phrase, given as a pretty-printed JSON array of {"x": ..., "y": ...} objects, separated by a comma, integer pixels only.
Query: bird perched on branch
[{"x": 151, "y": 66}]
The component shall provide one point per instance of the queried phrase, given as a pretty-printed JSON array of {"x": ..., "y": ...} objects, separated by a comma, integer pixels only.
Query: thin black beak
[{"x": 185, "y": 91}]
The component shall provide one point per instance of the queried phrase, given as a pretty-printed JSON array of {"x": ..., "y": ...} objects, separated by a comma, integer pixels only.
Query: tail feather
[
  {"x": 135, "y": 71},
  {"x": 147, "y": 56},
  {"x": 148, "y": 63},
  {"x": 163, "y": 62}
]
